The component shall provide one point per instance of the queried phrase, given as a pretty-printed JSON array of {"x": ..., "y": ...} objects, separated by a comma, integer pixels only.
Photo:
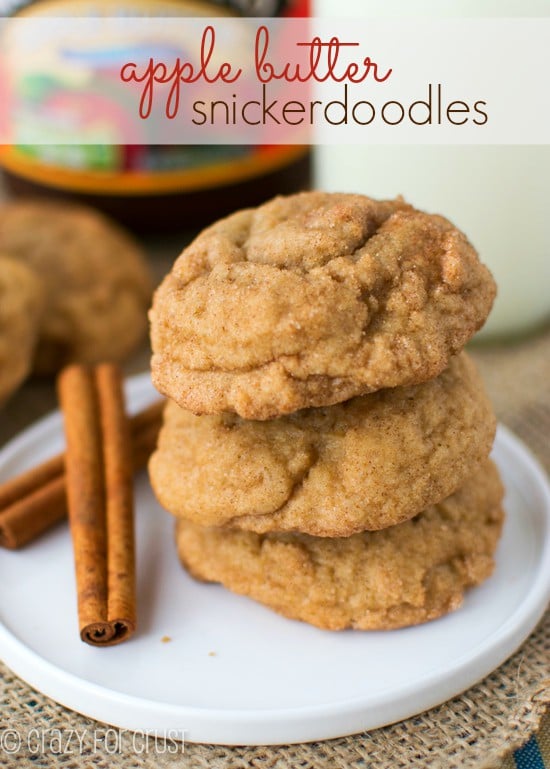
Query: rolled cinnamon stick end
[
  {"x": 107, "y": 633},
  {"x": 85, "y": 492}
]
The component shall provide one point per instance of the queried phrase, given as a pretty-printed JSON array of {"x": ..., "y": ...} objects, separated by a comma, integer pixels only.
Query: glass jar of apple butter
[{"x": 151, "y": 188}]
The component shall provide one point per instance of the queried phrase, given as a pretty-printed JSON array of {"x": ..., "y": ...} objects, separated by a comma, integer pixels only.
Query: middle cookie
[{"x": 365, "y": 464}]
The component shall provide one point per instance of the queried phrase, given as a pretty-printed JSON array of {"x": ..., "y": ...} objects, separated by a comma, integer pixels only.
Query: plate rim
[{"x": 305, "y": 723}]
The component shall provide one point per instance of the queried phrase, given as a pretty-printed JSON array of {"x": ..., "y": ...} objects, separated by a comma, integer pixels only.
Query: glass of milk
[{"x": 498, "y": 195}]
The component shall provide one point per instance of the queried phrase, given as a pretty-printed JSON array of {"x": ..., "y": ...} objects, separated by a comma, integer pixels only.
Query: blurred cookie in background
[
  {"x": 97, "y": 285},
  {"x": 21, "y": 306}
]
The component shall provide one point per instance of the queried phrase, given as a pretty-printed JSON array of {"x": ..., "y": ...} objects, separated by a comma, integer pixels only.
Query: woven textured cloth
[{"x": 480, "y": 729}]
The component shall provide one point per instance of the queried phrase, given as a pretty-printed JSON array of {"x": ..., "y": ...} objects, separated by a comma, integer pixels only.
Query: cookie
[
  {"x": 312, "y": 299},
  {"x": 97, "y": 284},
  {"x": 21, "y": 307},
  {"x": 368, "y": 463},
  {"x": 404, "y": 575}
]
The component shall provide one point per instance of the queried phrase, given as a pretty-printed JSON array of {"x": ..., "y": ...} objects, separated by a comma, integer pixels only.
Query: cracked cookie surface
[
  {"x": 96, "y": 281},
  {"x": 404, "y": 575},
  {"x": 21, "y": 306},
  {"x": 312, "y": 299},
  {"x": 370, "y": 462}
]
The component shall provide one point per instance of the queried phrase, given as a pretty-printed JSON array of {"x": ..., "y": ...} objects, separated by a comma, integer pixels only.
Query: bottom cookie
[{"x": 403, "y": 575}]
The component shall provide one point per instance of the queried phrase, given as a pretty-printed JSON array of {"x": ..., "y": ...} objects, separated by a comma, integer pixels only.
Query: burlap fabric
[{"x": 474, "y": 730}]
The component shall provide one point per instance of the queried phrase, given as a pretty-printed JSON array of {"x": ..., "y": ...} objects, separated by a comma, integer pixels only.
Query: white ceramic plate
[{"x": 235, "y": 672}]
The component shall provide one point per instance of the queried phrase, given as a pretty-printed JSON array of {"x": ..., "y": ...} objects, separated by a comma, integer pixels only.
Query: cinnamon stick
[
  {"x": 30, "y": 516},
  {"x": 16, "y": 489},
  {"x": 143, "y": 445},
  {"x": 119, "y": 501},
  {"x": 34, "y": 501},
  {"x": 99, "y": 495},
  {"x": 150, "y": 416},
  {"x": 85, "y": 497}
]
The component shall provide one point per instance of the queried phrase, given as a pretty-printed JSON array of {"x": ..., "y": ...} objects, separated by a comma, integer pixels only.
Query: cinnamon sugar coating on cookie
[
  {"x": 403, "y": 575},
  {"x": 312, "y": 299},
  {"x": 371, "y": 462}
]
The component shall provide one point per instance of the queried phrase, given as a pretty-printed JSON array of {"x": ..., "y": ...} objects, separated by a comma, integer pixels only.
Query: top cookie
[
  {"x": 311, "y": 299},
  {"x": 96, "y": 282}
]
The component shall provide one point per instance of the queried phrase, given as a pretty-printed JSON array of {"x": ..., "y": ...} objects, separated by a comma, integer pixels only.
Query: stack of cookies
[{"x": 325, "y": 446}]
